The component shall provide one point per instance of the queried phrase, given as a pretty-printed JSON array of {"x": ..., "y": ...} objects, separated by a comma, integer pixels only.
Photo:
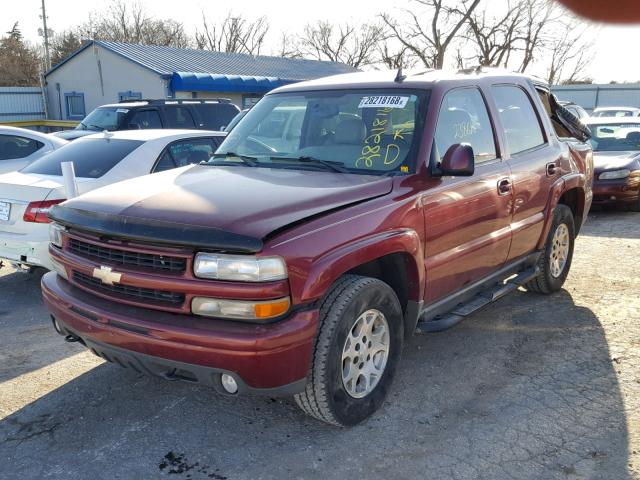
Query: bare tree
[
  {"x": 542, "y": 18},
  {"x": 128, "y": 22},
  {"x": 429, "y": 41},
  {"x": 234, "y": 34},
  {"x": 569, "y": 57},
  {"x": 288, "y": 47},
  {"x": 349, "y": 44},
  {"x": 495, "y": 37},
  {"x": 395, "y": 58}
]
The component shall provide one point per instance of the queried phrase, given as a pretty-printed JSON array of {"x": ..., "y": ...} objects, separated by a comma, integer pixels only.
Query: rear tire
[
  {"x": 555, "y": 260},
  {"x": 356, "y": 353}
]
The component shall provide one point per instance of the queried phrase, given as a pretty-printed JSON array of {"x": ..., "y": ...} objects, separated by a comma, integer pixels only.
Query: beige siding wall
[{"x": 82, "y": 74}]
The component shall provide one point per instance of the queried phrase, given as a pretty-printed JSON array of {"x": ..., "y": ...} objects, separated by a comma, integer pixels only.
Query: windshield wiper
[
  {"x": 246, "y": 159},
  {"x": 329, "y": 165}
]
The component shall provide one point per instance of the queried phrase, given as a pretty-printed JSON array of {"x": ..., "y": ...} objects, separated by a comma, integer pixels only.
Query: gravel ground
[{"x": 531, "y": 387}]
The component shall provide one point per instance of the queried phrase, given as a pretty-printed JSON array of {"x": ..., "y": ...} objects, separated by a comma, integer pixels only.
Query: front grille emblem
[{"x": 106, "y": 275}]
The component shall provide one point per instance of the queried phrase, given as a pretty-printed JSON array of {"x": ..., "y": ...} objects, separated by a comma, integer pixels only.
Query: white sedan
[
  {"x": 19, "y": 147},
  {"x": 98, "y": 159}
]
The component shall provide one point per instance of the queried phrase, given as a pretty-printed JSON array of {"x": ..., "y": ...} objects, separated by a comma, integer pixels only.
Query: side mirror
[{"x": 458, "y": 161}]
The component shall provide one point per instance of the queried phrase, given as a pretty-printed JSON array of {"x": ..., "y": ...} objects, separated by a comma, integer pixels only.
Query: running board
[{"x": 482, "y": 299}]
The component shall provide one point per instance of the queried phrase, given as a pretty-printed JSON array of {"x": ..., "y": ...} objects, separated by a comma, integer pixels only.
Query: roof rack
[{"x": 176, "y": 101}]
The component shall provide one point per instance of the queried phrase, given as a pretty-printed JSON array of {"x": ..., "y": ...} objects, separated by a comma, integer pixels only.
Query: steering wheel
[{"x": 259, "y": 146}]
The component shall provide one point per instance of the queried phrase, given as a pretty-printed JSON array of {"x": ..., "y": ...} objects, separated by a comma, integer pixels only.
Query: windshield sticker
[
  {"x": 122, "y": 110},
  {"x": 372, "y": 150},
  {"x": 389, "y": 101}
]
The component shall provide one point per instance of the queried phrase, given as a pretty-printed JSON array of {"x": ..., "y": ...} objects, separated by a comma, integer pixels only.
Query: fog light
[{"x": 229, "y": 384}]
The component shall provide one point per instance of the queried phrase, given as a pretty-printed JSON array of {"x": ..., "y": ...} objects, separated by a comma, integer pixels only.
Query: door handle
[
  {"x": 504, "y": 186},
  {"x": 551, "y": 169}
]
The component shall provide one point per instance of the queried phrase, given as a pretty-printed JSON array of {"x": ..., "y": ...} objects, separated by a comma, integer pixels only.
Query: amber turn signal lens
[{"x": 272, "y": 309}]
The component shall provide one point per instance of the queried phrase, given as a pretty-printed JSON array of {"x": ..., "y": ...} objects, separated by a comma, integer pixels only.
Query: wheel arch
[{"x": 392, "y": 257}]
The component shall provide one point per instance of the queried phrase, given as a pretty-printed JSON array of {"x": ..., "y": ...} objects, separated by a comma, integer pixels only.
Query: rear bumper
[
  {"x": 30, "y": 250},
  {"x": 615, "y": 191},
  {"x": 270, "y": 359}
]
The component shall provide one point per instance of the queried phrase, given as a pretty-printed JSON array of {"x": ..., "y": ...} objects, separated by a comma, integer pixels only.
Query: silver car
[{"x": 19, "y": 147}]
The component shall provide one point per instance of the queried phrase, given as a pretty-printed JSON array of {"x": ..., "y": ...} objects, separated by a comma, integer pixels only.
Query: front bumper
[
  {"x": 615, "y": 192},
  {"x": 26, "y": 250},
  {"x": 270, "y": 359}
]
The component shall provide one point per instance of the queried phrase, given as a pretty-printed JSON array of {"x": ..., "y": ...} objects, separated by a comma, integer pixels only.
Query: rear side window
[
  {"x": 187, "y": 152},
  {"x": 463, "y": 118},
  {"x": 216, "y": 116},
  {"x": 519, "y": 119},
  {"x": 179, "y": 117},
  {"x": 145, "y": 119},
  {"x": 91, "y": 157},
  {"x": 12, "y": 147}
]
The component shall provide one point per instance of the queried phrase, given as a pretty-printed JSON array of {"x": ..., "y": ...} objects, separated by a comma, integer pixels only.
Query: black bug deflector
[{"x": 154, "y": 231}]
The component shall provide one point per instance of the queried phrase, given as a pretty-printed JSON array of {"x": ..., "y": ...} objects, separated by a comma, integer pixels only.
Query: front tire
[
  {"x": 357, "y": 350},
  {"x": 555, "y": 260}
]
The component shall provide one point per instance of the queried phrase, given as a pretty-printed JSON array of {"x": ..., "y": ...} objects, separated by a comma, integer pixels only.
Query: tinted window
[
  {"x": 104, "y": 119},
  {"x": 179, "y": 117},
  {"x": 463, "y": 118},
  {"x": 186, "y": 152},
  {"x": 615, "y": 137},
  {"x": 17, "y": 147},
  {"x": 145, "y": 119},
  {"x": 519, "y": 119},
  {"x": 91, "y": 157},
  {"x": 215, "y": 116}
]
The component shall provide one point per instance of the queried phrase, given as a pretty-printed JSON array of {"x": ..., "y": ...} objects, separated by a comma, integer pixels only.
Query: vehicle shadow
[
  {"x": 523, "y": 389},
  {"x": 611, "y": 223},
  {"x": 27, "y": 341}
]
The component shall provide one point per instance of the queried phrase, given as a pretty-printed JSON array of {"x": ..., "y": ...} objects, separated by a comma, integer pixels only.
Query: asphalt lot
[{"x": 532, "y": 387}]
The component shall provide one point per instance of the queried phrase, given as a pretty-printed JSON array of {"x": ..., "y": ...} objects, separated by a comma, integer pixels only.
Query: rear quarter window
[
  {"x": 91, "y": 157},
  {"x": 13, "y": 147}
]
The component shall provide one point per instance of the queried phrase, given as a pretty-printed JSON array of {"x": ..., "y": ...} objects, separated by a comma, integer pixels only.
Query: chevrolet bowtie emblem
[{"x": 106, "y": 275}]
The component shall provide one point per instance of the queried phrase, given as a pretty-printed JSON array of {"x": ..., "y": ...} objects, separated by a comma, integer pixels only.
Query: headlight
[
  {"x": 55, "y": 234},
  {"x": 615, "y": 174},
  {"x": 241, "y": 268},
  {"x": 239, "y": 309}
]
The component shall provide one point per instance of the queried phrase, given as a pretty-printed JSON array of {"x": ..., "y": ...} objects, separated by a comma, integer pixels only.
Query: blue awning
[{"x": 207, "y": 82}]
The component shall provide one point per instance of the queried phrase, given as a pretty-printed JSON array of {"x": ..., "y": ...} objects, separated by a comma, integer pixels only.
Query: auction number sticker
[{"x": 377, "y": 101}]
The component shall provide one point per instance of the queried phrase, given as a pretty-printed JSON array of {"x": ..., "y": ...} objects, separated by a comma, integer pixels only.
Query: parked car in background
[
  {"x": 19, "y": 147},
  {"x": 616, "y": 158},
  {"x": 616, "y": 112},
  {"x": 300, "y": 257},
  {"x": 579, "y": 112},
  {"x": 99, "y": 159},
  {"x": 212, "y": 114},
  {"x": 235, "y": 120}
]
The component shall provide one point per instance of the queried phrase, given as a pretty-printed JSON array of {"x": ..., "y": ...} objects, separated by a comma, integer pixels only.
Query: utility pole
[{"x": 45, "y": 34}]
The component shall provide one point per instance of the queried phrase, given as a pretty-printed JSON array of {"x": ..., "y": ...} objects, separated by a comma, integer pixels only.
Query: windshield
[
  {"x": 104, "y": 118},
  {"x": 613, "y": 113},
  {"x": 91, "y": 157},
  {"x": 363, "y": 131},
  {"x": 615, "y": 137}
]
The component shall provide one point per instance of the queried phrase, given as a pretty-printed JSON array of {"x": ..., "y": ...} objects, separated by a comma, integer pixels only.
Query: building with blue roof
[{"x": 102, "y": 72}]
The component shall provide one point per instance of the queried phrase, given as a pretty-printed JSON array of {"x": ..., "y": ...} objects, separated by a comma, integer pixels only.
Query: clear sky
[{"x": 615, "y": 49}]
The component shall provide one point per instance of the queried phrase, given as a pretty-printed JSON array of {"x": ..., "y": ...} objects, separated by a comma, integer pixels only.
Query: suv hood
[{"x": 246, "y": 201}]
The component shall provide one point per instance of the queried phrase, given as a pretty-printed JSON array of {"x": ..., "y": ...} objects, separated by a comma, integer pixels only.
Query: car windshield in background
[
  {"x": 368, "y": 131},
  {"x": 91, "y": 157},
  {"x": 615, "y": 137},
  {"x": 613, "y": 113},
  {"x": 104, "y": 118}
]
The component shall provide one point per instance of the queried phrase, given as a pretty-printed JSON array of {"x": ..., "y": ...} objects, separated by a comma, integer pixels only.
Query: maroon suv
[{"x": 338, "y": 217}]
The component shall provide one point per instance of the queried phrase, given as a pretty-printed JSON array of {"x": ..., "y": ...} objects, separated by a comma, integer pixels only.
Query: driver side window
[{"x": 464, "y": 118}]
